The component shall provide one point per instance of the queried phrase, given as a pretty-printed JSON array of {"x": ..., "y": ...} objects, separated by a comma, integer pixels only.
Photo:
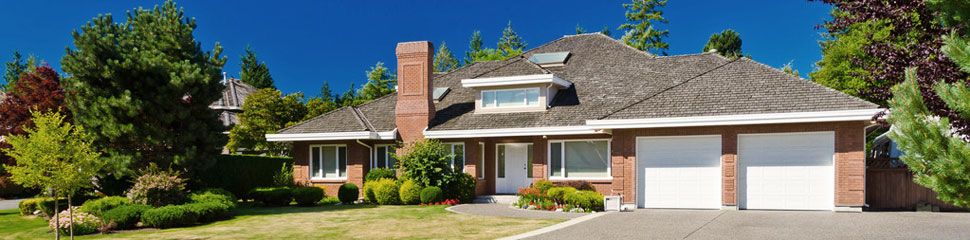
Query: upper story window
[{"x": 517, "y": 97}]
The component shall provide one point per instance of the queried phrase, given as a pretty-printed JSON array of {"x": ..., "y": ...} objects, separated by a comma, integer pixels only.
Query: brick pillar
[
  {"x": 850, "y": 165},
  {"x": 415, "y": 108}
]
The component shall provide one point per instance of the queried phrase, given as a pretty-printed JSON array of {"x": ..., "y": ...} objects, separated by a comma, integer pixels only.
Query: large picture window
[
  {"x": 458, "y": 151},
  {"x": 579, "y": 159},
  {"x": 328, "y": 162},
  {"x": 520, "y": 97},
  {"x": 384, "y": 157}
]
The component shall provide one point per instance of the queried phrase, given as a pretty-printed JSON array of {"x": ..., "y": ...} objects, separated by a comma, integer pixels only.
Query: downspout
[{"x": 370, "y": 152}]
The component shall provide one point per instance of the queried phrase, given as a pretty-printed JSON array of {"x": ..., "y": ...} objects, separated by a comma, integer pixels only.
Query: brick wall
[{"x": 358, "y": 159}]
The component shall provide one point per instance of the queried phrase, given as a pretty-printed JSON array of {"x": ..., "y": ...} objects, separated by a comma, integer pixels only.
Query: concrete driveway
[
  {"x": 712, "y": 224},
  {"x": 9, "y": 203}
]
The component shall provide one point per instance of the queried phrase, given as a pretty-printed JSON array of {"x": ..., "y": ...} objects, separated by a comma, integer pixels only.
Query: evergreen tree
[
  {"x": 142, "y": 88},
  {"x": 641, "y": 15},
  {"x": 727, "y": 43},
  {"x": 349, "y": 97},
  {"x": 380, "y": 82},
  {"x": 474, "y": 47},
  {"x": 606, "y": 31},
  {"x": 254, "y": 72},
  {"x": 324, "y": 103},
  {"x": 510, "y": 42},
  {"x": 444, "y": 60},
  {"x": 580, "y": 29},
  {"x": 265, "y": 111},
  {"x": 14, "y": 68},
  {"x": 326, "y": 93}
]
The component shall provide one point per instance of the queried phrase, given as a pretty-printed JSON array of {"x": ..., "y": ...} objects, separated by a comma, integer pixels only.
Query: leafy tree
[
  {"x": 37, "y": 90},
  {"x": 142, "y": 88},
  {"x": 56, "y": 156},
  {"x": 936, "y": 152},
  {"x": 265, "y": 111},
  {"x": 427, "y": 162},
  {"x": 727, "y": 43},
  {"x": 324, "y": 103},
  {"x": 510, "y": 42},
  {"x": 474, "y": 46},
  {"x": 641, "y": 15},
  {"x": 14, "y": 68},
  {"x": 254, "y": 72},
  {"x": 789, "y": 69},
  {"x": 845, "y": 61},
  {"x": 444, "y": 60},
  {"x": 380, "y": 82}
]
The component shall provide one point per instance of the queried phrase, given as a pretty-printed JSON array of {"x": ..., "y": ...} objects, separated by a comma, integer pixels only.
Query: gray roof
[
  {"x": 233, "y": 97},
  {"x": 610, "y": 81}
]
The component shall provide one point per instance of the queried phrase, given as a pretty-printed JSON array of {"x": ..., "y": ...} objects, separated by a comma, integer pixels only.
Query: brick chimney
[{"x": 415, "y": 108}]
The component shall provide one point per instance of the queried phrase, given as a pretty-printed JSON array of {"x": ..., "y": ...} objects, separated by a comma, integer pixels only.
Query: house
[
  {"x": 232, "y": 100},
  {"x": 695, "y": 131}
]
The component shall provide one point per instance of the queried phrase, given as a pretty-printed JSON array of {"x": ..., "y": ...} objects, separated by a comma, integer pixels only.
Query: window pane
[
  {"x": 315, "y": 161},
  {"x": 528, "y": 163},
  {"x": 510, "y": 98},
  {"x": 391, "y": 161},
  {"x": 381, "y": 157},
  {"x": 532, "y": 95},
  {"x": 501, "y": 161},
  {"x": 329, "y": 162},
  {"x": 555, "y": 159},
  {"x": 342, "y": 161},
  {"x": 481, "y": 160},
  {"x": 586, "y": 159},
  {"x": 459, "y": 150},
  {"x": 488, "y": 98}
]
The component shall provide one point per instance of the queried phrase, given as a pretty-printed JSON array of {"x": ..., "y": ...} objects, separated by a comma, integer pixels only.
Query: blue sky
[{"x": 308, "y": 42}]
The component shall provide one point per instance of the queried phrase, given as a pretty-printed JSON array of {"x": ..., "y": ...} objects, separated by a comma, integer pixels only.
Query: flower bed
[{"x": 543, "y": 195}]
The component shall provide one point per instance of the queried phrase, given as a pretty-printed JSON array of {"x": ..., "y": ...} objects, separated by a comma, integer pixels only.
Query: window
[
  {"x": 528, "y": 162},
  {"x": 579, "y": 159},
  {"x": 500, "y": 161},
  {"x": 328, "y": 162},
  {"x": 522, "y": 97},
  {"x": 384, "y": 157},
  {"x": 481, "y": 160},
  {"x": 458, "y": 151}
]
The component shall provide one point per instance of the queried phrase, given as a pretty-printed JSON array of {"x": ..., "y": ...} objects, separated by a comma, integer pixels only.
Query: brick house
[{"x": 690, "y": 131}]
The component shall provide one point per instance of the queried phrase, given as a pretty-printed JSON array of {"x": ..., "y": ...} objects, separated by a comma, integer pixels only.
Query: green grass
[{"x": 342, "y": 222}]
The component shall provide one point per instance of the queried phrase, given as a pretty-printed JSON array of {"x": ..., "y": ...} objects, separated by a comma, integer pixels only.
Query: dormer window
[{"x": 505, "y": 98}]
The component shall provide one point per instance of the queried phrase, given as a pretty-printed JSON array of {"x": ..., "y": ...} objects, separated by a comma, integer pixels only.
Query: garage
[
  {"x": 789, "y": 171},
  {"x": 679, "y": 172}
]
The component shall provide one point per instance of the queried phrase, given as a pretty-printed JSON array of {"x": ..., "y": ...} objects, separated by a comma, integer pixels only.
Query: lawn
[{"x": 332, "y": 222}]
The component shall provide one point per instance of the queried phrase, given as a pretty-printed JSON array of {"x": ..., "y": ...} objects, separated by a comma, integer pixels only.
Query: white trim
[
  {"x": 387, "y": 155},
  {"x": 515, "y": 80},
  {"x": 745, "y": 119},
  {"x": 562, "y": 154},
  {"x": 290, "y": 137},
  {"x": 337, "y": 158},
  {"x": 511, "y": 132},
  {"x": 525, "y": 100}
]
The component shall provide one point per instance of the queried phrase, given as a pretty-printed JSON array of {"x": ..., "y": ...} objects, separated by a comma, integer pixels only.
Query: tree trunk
[
  {"x": 70, "y": 214},
  {"x": 57, "y": 221}
]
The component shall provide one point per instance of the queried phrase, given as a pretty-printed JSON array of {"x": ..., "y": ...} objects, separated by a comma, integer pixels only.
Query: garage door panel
[
  {"x": 679, "y": 172},
  {"x": 787, "y": 171}
]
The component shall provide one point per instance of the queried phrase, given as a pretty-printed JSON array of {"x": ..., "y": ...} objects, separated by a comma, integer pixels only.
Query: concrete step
[{"x": 501, "y": 199}]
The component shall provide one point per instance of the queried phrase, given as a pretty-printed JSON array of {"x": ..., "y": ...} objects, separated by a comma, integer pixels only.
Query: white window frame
[
  {"x": 524, "y": 100},
  {"x": 387, "y": 153},
  {"x": 562, "y": 166},
  {"x": 481, "y": 160},
  {"x": 337, "y": 158},
  {"x": 464, "y": 156}
]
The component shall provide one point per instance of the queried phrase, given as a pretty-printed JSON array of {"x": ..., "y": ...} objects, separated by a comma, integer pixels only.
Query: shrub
[
  {"x": 284, "y": 177},
  {"x": 558, "y": 194},
  {"x": 379, "y": 173},
  {"x": 427, "y": 162},
  {"x": 29, "y": 206},
  {"x": 431, "y": 195},
  {"x": 99, "y": 206},
  {"x": 214, "y": 195},
  {"x": 209, "y": 211},
  {"x": 240, "y": 173},
  {"x": 588, "y": 200},
  {"x": 532, "y": 196},
  {"x": 46, "y": 206},
  {"x": 169, "y": 216},
  {"x": 369, "y": 192},
  {"x": 348, "y": 193},
  {"x": 543, "y": 185},
  {"x": 124, "y": 217},
  {"x": 329, "y": 201},
  {"x": 386, "y": 192},
  {"x": 84, "y": 223},
  {"x": 158, "y": 188},
  {"x": 274, "y": 196},
  {"x": 218, "y": 191},
  {"x": 578, "y": 185},
  {"x": 460, "y": 186},
  {"x": 308, "y": 196},
  {"x": 410, "y": 192}
]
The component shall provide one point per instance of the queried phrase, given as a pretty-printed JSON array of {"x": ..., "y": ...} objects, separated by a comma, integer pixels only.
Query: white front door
[
  {"x": 679, "y": 172},
  {"x": 792, "y": 171},
  {"x": 512, "y": 165}
]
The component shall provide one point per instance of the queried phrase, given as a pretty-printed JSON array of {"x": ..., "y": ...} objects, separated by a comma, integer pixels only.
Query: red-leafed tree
[{"x": 39, "y": 90}]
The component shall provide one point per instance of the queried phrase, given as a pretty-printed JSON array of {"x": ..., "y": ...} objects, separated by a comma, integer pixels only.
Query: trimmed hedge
[
  {"x": 386, "y": 192},
  {"x": 431, "y": 195},
  {"x": 240, "y": 173},
  {"x": 348, "y": 193},
  {"x": 559, "y": 193},
  {"x": 169, "y": 216},
  {"x": 379, "y": 173},
  {"x": 308, "y": 196},
  {"x": 588, "y": 200},
  {"x": 101, "y": 205},
  {"x": 125, "y": 217},
  {"x": 410, "y": 192},
  {"x": 29, "y": 206},
  {"x": 277, "y": 196},
  {"x": 213, "y": 196},
  {"x": 209, "y": 211}
]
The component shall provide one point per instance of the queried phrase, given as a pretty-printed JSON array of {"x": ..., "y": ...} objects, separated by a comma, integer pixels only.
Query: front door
[{"x": 512, "y": 167}]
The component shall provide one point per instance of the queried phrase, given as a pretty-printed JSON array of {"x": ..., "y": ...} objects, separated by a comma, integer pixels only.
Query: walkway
[
  {"x": 10, "y": 204},
  {"x": 503, "y": 210}
]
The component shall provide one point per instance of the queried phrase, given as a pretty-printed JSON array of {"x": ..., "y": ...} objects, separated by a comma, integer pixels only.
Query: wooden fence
[{"x": 893, "y": 189}]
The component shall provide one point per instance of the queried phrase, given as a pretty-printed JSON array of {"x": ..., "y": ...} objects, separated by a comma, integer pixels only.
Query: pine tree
[
  {"x": 580, "y": 29},
  {"x": 606, "y": 31},
  {"x": 326, "y": 93},
  {"x": 349, "y": 97},
  {"x": 254, "y": 72},
  {"x": 14, "y": 68},
  {"x": 474, "y": 47},
  {"x": 380, "y": 82},
  {"x": 727, "y": 43},
  {"x": 324, "y": 103},
  {"x": 444, "y": 60},
  {"x": 641, "y": 15},
  {"x": 510, "y": 43},
  {"x": 142, "y": 87}
]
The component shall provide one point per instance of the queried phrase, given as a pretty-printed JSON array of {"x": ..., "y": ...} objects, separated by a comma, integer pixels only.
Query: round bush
[
  {"x": 348, "y": 193},
  {"x": 84, "y": 223},
  {"x": 588, "y": 200},
  {"x": 386, "y": 192},
  {"x": 213, "y": 197},
  {"x": 169, "y": 216},
  {"x": 209, "y": 211},
  {"x": 158, "y": 188},
  {"x": 308, "y": 196},
  {"x": 559, "y": 193},
  {"x": 125, "y": 217},
  {"x": 99, "y": 206},
  {"x": 431, "y": 195},
  {"x": 277, "y": 196},
  {"x": 369, "y": 192},
  {"x": 379, "y": 173},
  {"x": 29, "y": 206},
  {"x": 410, "y": 192}
]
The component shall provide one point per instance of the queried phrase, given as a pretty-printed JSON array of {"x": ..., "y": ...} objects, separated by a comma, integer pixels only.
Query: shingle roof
[
  {"x": 232, "y": 101},
  {"x": 611, "y": 81}
]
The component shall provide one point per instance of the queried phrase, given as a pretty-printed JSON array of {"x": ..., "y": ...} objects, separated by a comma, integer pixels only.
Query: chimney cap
[{"x": 414, "y": 47}]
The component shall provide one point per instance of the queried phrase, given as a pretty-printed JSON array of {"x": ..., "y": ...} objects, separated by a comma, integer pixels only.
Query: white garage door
[
  {"x": 679, "y": 172},
  {"x": 792, "y": 171}
]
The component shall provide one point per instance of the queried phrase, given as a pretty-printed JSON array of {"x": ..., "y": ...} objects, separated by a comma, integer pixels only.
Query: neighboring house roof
[
  {"x": 610, "y": 81},
  {"x": 232, "y": 101}
]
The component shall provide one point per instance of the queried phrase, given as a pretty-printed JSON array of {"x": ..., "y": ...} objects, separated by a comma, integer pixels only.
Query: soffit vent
[{"x": 553, "y": 59}]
